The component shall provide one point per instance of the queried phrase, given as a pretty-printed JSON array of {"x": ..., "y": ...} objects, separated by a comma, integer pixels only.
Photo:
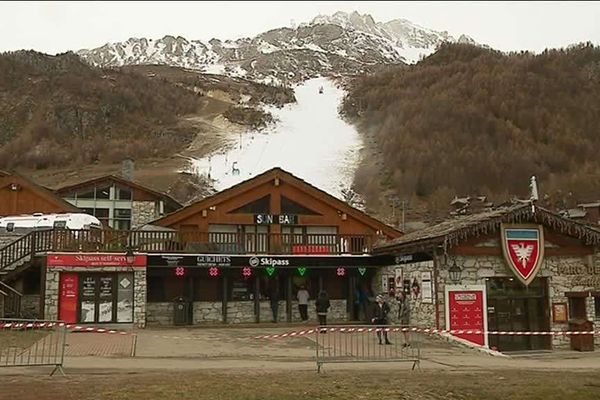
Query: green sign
[
  {"x": 362, "y": 271},
  {"x": 301, "y": 271},
  {"x": 270, "y": 270}
]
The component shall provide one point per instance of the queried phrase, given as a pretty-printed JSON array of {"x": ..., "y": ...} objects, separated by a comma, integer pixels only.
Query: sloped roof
[
  {"x": 288, "y": 178},
  {"x": 453, "y": 231},
  {"x": 125, "y": 182},
  {"x": 5, "y": 179}
]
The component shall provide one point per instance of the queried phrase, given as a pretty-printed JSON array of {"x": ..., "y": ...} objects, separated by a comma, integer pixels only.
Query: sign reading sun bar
[{"x": 275, "y": 219}]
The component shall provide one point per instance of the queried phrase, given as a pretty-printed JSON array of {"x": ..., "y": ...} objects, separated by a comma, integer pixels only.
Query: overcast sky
[{"x": 53, "y": 27}]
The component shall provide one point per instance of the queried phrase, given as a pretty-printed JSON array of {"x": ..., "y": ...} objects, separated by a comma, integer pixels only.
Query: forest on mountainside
[
  {"x": 470, "y": 120},
  {"x": 57, "y": 110}
]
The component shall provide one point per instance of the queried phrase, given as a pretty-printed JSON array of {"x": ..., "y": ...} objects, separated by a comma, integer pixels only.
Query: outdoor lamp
[
  {"x": 455, "y": 272},
  {"x": 129, "y": 257}
]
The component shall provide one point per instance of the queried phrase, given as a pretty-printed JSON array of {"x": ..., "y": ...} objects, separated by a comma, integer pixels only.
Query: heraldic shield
[{"x": 523, "y": 249}]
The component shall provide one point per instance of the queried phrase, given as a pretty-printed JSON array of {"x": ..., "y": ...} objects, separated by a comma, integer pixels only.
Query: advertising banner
[
  {"x": 68, "y": 298},
  {"x": 466, "y": 311}
]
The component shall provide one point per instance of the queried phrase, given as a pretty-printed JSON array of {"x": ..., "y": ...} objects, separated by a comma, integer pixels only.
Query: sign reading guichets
[
  {"x": 213, "y": 261},
  {"x": 523, "y": 249}
]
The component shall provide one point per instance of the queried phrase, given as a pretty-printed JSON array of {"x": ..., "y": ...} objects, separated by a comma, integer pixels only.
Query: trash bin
[
  {"x": 181, "y": 310},
  {"x": 581, "y": 342}
]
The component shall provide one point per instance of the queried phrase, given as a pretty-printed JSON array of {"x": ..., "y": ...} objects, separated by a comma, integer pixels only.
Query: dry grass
[
  {"x": 20, "y": 339},
  {"x": 354, "y": 384}
]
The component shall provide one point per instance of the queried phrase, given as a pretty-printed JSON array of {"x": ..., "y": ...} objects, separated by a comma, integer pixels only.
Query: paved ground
[
  {"x": 228, "y": 363},
  {"x": 236, "y": 348},
  {"x": 99, "y": 344}
]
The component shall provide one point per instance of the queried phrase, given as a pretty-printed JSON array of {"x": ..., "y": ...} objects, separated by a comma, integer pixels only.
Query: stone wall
[
  {"x": 30, "y": 306},
  {"x": 143, "y": 212},
  {"x": 564, "y": 274},
  {"x": 421, "y": 313},
  {"x": 139, "y": 297},
  {"x": 51, "y": 294},
  {"x": 239, "y": 312},
  {"x": 207, "y": 312},
  {"x": 159, "y": 313}
]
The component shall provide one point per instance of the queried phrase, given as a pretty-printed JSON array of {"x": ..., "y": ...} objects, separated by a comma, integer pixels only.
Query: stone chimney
[{"x": 127, "y": 166}]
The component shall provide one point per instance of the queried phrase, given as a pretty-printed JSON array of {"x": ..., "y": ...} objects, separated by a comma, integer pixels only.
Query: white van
[{"x": 41, "y": 221}]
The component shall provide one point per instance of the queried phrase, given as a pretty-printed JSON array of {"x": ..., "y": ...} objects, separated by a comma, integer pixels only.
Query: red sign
[
  {"x": 310, "y": 249},
  {"x": 68, "y": 297},
  {"x": 523, "y": 249},
  {"x": 467, "y": 313},
  {"x": 93, "y": 260}
]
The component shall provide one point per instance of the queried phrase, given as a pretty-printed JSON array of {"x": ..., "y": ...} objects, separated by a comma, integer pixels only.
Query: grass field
[{"x": 352, "y": 384}]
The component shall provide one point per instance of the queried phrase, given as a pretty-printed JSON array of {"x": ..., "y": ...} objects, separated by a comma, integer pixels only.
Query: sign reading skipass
[{"x": 93, "y": 260}]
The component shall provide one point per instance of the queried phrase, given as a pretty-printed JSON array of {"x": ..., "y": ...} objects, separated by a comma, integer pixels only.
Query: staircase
[{"x": 15, "y": 251}]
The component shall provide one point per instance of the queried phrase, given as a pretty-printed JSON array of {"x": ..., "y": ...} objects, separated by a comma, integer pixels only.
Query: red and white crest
[{"x": 523, "y": 249}]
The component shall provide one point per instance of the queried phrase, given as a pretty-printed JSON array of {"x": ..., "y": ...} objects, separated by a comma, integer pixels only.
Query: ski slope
[{"x": 310, "y": 140}]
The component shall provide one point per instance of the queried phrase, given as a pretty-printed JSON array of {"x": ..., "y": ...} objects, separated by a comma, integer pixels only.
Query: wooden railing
[
  {"x": 181, "y": 242},
  {"x": 12, "y": 301}
]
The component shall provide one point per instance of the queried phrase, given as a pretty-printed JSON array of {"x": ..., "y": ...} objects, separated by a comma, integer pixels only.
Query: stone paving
[
  {"x": 236, "y": 348},
  {"x": 99, "y": 345}
]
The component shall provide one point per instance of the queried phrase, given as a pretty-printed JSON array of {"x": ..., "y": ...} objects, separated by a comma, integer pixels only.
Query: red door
[{"x": 69, "y": 296}]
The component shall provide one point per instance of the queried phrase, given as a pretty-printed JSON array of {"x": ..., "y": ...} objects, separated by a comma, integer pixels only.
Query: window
[
  {"x": 60, "y": 224},
  {"x": 291, "y": 207},
  {"x": 156, "y": 289},
  {"x": 122, "y": 194},
  {"x": 10, "y": 227},
  {"x": 103, "y": 192},
  {"x": 260, "y": 206},
  {"x": 102, "y": 214},
  {"x": 87, "y": 194},
  {"x": 597, "y": 307},
  {"x": 240, "y": 287},
  {"x": 122, "y": 219}
]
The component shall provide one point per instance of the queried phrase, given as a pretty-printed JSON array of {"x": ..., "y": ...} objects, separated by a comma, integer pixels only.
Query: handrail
[
  {"x": 182, "y": 242},
  {"x": 15, "y": 291}
]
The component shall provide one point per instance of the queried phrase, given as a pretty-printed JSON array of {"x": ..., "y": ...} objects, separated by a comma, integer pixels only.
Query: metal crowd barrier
[
  {"x": 361, "y": 343},
  {"x": 28, "y": 343}
]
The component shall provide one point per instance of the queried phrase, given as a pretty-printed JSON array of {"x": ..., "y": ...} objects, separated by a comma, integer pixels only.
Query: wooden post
[
  {"x": 224, "y": 302},
  {"x": 288, "y": 300},
  {"x": 257, "y": 298},
  {"x": 350, "y": 297}
]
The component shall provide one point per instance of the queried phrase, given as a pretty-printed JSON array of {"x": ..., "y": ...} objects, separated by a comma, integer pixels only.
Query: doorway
[
  {"x": 106, "y": 298},
  {"x": 513, "y": 307}
]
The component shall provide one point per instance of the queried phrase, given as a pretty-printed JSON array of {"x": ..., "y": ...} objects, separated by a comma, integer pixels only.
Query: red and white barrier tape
[
  {"x": 49, "y": 325},
  {"x": 426, "y": 331}
]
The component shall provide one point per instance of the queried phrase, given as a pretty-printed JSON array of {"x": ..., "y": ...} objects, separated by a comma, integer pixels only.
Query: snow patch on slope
[{"x": 310, "y": 140}]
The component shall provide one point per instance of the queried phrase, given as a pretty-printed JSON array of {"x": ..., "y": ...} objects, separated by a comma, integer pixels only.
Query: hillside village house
[
  {"x": 517, "y": 268},
  {"x": 217, "y": 260},
  {"x": 118, "y": 203}
]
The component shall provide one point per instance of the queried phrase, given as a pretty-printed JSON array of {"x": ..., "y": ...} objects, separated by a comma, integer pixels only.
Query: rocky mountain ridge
[{"x": 341, "y": 43}]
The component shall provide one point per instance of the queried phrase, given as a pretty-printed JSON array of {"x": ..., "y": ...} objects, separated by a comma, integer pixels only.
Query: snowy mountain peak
[{"x": 329, "y": 44}]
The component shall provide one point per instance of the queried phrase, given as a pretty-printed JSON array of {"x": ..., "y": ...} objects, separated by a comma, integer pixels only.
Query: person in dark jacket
[
  {"x": 322, "y": 303},
  {"x": 380, "y": 318}
]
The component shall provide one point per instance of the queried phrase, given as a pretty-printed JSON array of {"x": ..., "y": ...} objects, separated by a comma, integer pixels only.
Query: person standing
[
  {"x": 274, "y": 300},
  {"x": 380, "y": 318},
  {"x": 303, "y": 297},
  {"x": 322, "y": 304},
  {"x": 404, "y": 314}
]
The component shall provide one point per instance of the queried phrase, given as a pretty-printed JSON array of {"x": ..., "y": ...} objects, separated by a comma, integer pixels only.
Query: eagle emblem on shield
[{"x": 523, "y": 249}]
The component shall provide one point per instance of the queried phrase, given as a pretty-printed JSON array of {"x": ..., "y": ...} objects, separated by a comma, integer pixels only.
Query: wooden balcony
[{"x": 202, "y": 242}]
